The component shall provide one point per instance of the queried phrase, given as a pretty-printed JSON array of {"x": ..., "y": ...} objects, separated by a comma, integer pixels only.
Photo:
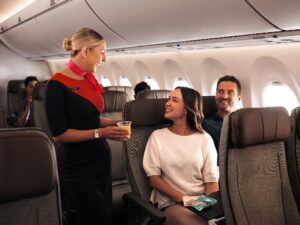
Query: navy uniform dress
[{"x": 84, "y": 167}]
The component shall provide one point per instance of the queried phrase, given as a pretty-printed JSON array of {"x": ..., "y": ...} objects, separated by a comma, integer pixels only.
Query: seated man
[
  {"x": 142, "y": 86},
  {"x": 228, "y": 95},
  {"x": 23, "y": 119}
]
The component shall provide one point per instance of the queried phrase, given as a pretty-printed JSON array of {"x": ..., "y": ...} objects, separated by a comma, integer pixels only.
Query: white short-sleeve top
[{"x": 184, "y": 162}]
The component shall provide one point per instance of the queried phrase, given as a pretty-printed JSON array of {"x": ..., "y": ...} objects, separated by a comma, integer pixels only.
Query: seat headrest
[
  {"x": 296, "y": 114},
  {"x": 14, "y": 86},
  {"x": 146, "y": 112},
  {"x": 2, "y": 118},
  {"x": 127, "y": 89},
  {"x": 253, "y": 126},
  {"x": 39, "y": 91},
  {"x": 118, "y": 88},
  {"x": 27, "y": 164},
  {"x": 209, "y": 105},
  {"x": 114, "y": 101},
  {"x": 153, "y": 94}
]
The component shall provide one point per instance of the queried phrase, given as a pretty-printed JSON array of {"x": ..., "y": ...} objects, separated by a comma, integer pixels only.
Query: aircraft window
[
  {"x": 152, "y": 83},
  {"x": 181, "y": 82},
  {"x": 124, "y": 81},
  {"x": 279, "y": 94},
  {"x": 214, "y": 87},
  {"x": 105, "y": 82}
]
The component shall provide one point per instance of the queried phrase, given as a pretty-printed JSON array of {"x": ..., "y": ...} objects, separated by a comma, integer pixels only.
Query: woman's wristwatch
[{"x": 96, "y": 133}]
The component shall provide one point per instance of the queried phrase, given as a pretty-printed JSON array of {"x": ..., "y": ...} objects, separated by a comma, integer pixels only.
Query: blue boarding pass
[{"x": 199, "y": 202}]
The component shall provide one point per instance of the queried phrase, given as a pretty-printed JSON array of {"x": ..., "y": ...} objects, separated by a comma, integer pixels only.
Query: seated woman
[{"x": 181, "y": 160}]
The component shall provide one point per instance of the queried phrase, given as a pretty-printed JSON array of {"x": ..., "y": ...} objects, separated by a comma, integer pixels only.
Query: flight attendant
[{"x": 74, "y": 104}]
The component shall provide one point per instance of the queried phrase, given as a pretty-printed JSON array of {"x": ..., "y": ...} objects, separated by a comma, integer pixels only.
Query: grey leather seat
[
  {"x": 209, "y": 105},
  {"x": 127, "y": 89},
  {"x": 29, "y": 192},
  {"x": 15, "y": 93},
  {"x": 146, "y": 116},
  {"x": 209, "y": 102},
  {"x": 255, "y": 186},
  {"x": 38, "y": 112},
  {"x": 114, "y": 102},
  {"x": 3, "y": 123},
  {"x": 153, "y": 94},
  {"x": 293, "y": 155}
]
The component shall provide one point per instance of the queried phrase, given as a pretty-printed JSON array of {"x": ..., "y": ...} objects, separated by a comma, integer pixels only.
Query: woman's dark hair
[{"x": 193, "y": 104}]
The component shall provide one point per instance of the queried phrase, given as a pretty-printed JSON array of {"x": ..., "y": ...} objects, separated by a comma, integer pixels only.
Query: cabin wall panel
[
  {"x": 203, "y": 67},
  {"x": 194, "y": 66},
  {"x": 13, "y": 66}
]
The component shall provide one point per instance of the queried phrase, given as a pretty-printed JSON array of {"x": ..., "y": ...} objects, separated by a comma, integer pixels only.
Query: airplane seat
[
  {"x": 153, "y": 94},
  {"x": 293, "y": 155},
  {"x": 255, "y": 187},
  {"x": 3, "y": 122},
  {"x": 114, "y": 102},
  {"x": 29, "y": 190},
  {"x": 209, "y": 105},
  {"x": 127, "y": 89},
  {"x": 38, "y": 111},
  {"x": 146, "y": 116},
  {"x": 15, "y": 94}
]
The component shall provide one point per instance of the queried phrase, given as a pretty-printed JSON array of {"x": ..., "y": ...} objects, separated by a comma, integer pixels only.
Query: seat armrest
[
  {"x": 150, "y": 211},
  {"x": 219, "y": 221}
]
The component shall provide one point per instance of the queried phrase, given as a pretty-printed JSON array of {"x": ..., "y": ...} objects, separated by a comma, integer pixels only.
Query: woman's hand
[
  {"x": 115, "y": 133},
  {"x": 211, "y": 187},
  {"x": 161, "y": 185}
]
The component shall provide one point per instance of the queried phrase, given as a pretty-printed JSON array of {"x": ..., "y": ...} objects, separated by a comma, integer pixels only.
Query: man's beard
[{"x": 225, "y": 110}]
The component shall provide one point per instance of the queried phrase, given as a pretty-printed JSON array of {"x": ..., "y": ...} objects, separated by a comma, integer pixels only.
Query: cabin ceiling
[{"x": 134, "y": 26}]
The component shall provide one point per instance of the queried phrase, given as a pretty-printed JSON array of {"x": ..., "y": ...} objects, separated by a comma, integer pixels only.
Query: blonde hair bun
[{"x": 67, "y": 44}]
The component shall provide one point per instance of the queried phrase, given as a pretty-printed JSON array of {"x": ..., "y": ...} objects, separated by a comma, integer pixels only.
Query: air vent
[
  {"x": 52, "y": 2},
  {"x": 258, "y": 37},
  {"x": 287, "y": 40},
  {"x": 169, "y": 45},
  {"x": 277, "y": 83}
]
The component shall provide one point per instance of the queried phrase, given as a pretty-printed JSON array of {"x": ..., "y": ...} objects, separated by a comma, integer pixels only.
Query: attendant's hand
[{"x": 115, "y": 133}]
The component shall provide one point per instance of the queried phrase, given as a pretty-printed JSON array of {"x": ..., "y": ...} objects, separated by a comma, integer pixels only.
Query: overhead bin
[
  {"x": 35, "y": 8},
  {"x": 42, "y": 35},
  {"x": 66, "y": 19},
  {"x": 28, "y": 40},
  {"x": 152, "y": 22},
  {"x": 134, "y": 24},
  {"x": 284, "y": 14}
]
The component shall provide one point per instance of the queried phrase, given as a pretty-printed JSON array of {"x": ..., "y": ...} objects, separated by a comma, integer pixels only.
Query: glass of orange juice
[{"x": 126, "y": 125}]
